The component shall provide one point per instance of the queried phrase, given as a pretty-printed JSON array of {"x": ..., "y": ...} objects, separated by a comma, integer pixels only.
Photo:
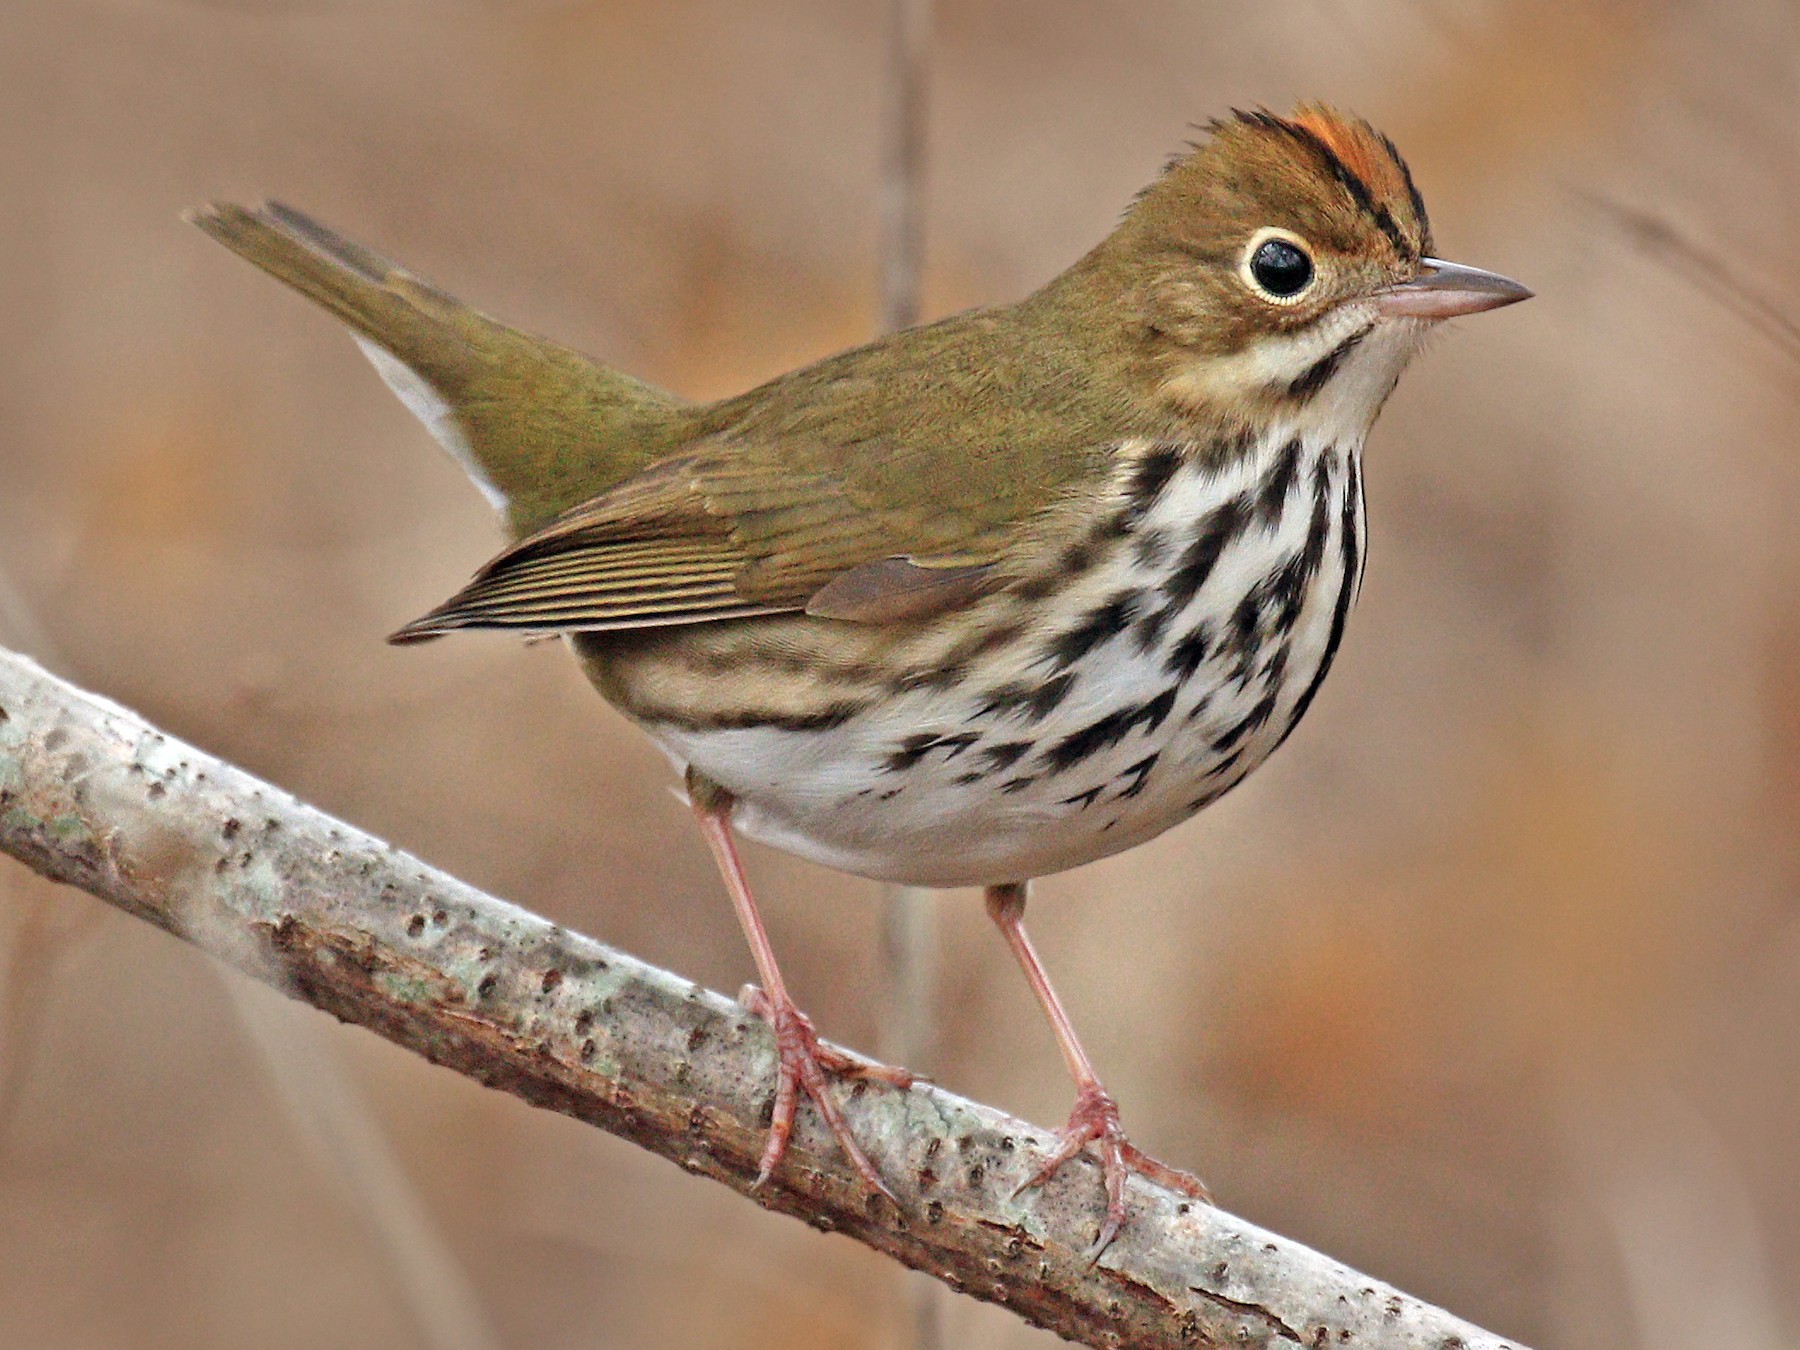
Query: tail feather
[
  {"x": 377, "y": 298},
  {"x": 538, "y": 427}
]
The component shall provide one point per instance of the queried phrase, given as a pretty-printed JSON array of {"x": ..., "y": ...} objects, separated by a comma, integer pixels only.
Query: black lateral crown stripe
[
  {"x": 1352, "y": 183},
  {"x": 1412, "y": 191}
]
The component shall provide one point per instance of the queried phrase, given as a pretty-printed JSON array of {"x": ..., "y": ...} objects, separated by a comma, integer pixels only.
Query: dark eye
[{"x": 1280, "y": 267}]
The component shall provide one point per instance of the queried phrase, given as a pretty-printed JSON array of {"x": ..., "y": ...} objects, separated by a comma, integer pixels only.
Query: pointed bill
[{"x": 1443, "y": 290}]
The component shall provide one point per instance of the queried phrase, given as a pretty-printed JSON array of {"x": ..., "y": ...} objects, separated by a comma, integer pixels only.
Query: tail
[{"x": 538, "y": 427}]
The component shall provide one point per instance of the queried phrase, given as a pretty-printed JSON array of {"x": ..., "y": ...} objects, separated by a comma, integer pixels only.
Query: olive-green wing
[
  {"x": 723, "y": 532},
  {"x": 887, "y": 483}
]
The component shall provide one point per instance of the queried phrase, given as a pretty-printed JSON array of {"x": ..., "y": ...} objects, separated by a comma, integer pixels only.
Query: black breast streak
[
  {"x": 1206, "y": 799},
  {"x": 1219, "y": 770},
  {"x": 1271, "y": 497},
  {"x": 1085, "y": 799},
  {"x": 1097, "y": 627},
  {"x": 1241, "y": 634},
  {"x": 1033, "y": 703},
  {"x": 1091, "y": 739},
  {"x": 1315, "y": 377},
  {"x": 1340, "y": 614},
  {"x": 1108, "y": 731},
  {"x": 1270, "y": 610},
  {"x": 1102, "y": 540},
  {"x": 1157, "y": 710},
  {"x": 1188, "y": 654},
  {"x": 1149, "y": 476},
  {"x": 1149, "y": 629},
  {"x": 954, "y": 666},
  {"x": 1138, "y": 774},
  {"x": 1006, "y": 754},
  {"x": 1287, "y": 593},
  {"x": 1077, "y": 558},
  {"x": 1150, "y": 547},
  {"x": 1259, "y": 713},
  {"x": 1275, "y": 668},
  {"x": 1272, "y": 606},
  {"x": 914, "y": 748},
  {"x": 1202, "y": 554},
  {"x": 1073, "y": 561},
  {"x": 1225, "y": 765}
]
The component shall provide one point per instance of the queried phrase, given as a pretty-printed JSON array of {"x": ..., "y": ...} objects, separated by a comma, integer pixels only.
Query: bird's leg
[
  {"x": 1095, "y": 1117},
  {"x": 804, "y": 1061}
]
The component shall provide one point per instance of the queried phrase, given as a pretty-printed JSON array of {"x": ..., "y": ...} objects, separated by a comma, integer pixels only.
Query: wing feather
[
  {"x": 764, "y": 511},
  {"x": 597, "y": 585}
]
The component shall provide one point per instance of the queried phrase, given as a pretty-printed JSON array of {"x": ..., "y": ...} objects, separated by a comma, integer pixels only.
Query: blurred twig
[
  {"x": 903, "y": 161},
  {"x": 1703, "y": 268},
  {"x": 93, "y": 796},
  {"x": 910, "y": 948}
]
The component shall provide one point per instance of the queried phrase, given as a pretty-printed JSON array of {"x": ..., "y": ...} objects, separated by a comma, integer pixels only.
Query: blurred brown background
[{"x": 1486, "y": 985}]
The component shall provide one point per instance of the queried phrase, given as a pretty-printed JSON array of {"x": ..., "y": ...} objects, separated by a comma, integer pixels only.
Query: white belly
[{"x": 1198, "y": 640}]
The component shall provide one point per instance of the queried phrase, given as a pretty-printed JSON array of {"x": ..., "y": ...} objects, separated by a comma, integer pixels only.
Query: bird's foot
[
  {"x": 806, "y": 1064},
  {"x": 1095, "y": 1120}
]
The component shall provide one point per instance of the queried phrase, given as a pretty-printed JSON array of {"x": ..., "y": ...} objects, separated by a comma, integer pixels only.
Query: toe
[
  {"x": 1095, "y": 1119},
  {"x": 818, "y": 1088},
  {"x": 781, "y": 1119},
  {"x": 846, "y": 1064},
  {"x": 1068, "y": 1144},
  {"x": 1173, "y": 1178},
  {"x": 804, "y": 1065},
  {"x": 1114, "y": 1170}
]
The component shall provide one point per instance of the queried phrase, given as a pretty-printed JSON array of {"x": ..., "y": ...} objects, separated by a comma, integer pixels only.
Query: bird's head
[{"x": 1284, "y": 267}]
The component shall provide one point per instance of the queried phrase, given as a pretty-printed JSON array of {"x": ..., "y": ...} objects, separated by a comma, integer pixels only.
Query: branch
[{"x": 93, "y": 796}]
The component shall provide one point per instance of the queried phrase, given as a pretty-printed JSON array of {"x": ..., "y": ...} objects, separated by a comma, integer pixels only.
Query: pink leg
[
  {"x": 1095, "y": 1117},
  {"x": 804, "y": 1061}
]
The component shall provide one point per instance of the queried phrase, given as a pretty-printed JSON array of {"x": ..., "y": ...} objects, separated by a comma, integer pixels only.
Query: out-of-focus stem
[{"x": 908, "y": 922}]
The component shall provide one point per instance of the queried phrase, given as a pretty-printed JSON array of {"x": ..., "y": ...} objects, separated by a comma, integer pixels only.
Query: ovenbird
[{"x": 982, "y": 600}]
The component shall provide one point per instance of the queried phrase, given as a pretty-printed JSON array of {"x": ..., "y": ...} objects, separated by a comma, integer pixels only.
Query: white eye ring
[{"x": 1265, "y": 271}]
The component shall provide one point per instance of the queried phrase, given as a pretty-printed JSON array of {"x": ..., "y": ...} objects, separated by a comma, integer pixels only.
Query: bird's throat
[{"x": 1328, "y": 380}]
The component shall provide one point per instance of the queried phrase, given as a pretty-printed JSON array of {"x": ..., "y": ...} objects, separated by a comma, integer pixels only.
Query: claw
[
  {"x": 1095, "y": 1120},
  {"x": 805, "y": 1062}
]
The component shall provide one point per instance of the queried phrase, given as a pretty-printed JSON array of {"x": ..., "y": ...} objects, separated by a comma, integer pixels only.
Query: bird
[{"x": 984, "y": 599}]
